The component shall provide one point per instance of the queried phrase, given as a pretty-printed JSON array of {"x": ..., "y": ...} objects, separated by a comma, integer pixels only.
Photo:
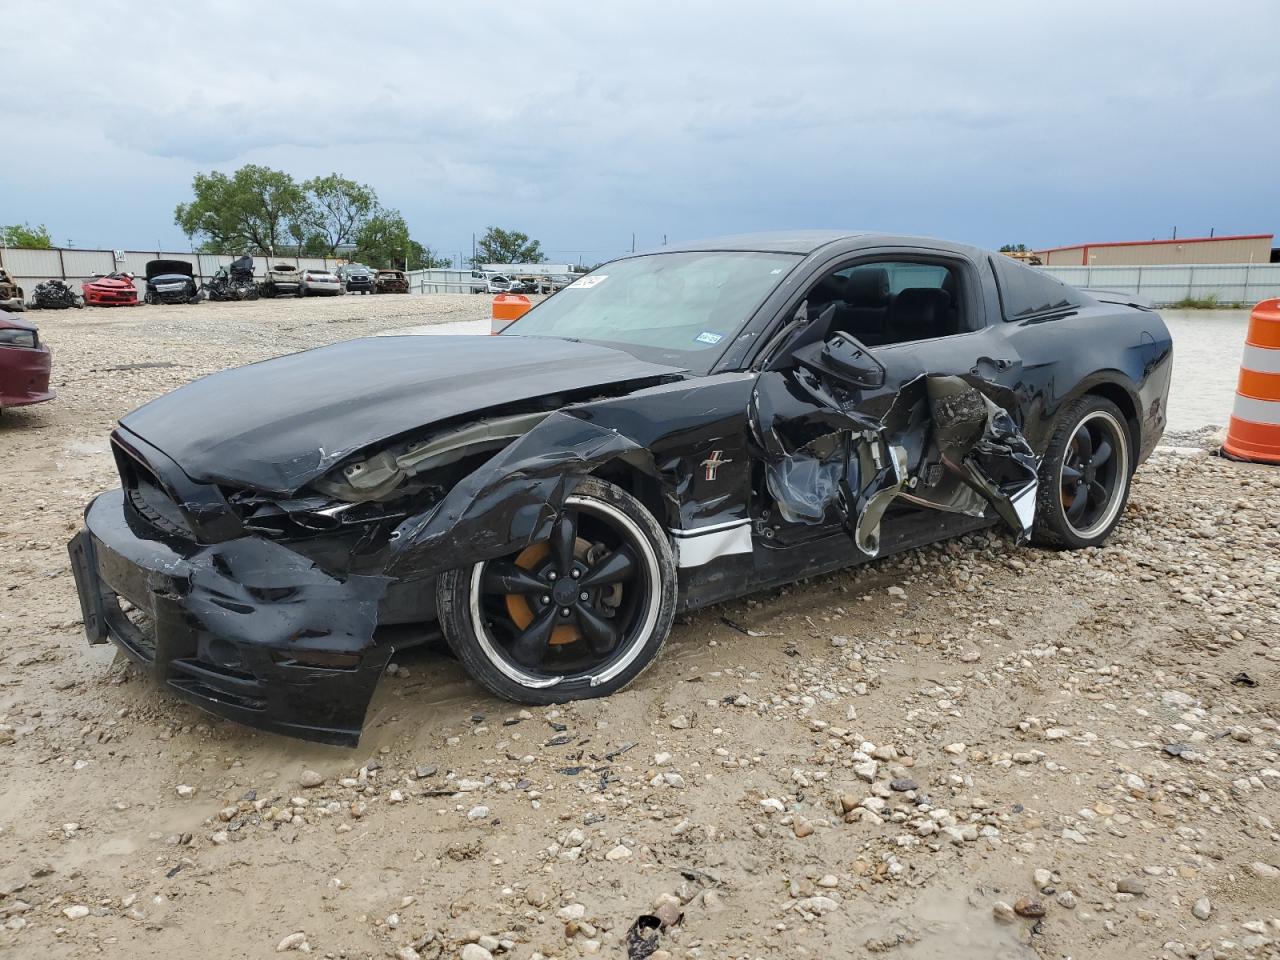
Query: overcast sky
[{"x": 581, "y": 123}]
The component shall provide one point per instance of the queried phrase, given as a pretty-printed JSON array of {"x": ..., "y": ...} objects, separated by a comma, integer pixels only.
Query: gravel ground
[{"x": 970, "y": 751}]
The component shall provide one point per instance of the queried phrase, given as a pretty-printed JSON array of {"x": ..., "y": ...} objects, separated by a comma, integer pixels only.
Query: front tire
[
  {"x": 579, "y": 615},
  {"x": 1085, "y": 476}
]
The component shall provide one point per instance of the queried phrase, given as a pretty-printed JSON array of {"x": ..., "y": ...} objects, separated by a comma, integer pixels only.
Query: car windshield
[{"x": 676, "y": 308}]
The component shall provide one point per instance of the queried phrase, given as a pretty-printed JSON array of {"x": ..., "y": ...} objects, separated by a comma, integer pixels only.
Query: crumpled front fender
[{"x": 511, "y": 500}]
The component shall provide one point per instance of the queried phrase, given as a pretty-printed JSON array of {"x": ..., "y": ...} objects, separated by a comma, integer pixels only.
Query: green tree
[
  {"x": 507, "y": 246},
  {"x": 26, "y": 236},
  {"x": 424, "y": 258},
  {"x": 1013, "y": 248},
  {"x": 383, "y": 240},
  {"x": 252, "y": 210},
  {"x": 336, "y": 209}
]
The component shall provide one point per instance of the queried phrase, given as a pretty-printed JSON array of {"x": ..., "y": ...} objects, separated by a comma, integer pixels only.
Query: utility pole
[{"x": 633, "y": 243}]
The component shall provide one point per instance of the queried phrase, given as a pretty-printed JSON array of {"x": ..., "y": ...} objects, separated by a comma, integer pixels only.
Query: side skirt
[{"x": 766, "y": 567}]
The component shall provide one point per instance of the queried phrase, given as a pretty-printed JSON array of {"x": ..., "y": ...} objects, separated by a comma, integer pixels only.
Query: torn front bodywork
[
  {"x": 513, "y": 499},
  {"x": 245, "y": 628},
  {"x": 942, "y": 443}
]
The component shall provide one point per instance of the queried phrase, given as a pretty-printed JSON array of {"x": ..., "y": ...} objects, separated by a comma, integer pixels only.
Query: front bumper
[
  {"x": 110, "y": 298},
  {"x": 24, "y": 376},
  {"x": 238, "y": 628},
  {"x": 174, "y": 294}
]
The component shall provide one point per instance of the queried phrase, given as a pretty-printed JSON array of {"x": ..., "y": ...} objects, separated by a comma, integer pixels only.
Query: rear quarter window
[{"x": 1027, "y": 292}]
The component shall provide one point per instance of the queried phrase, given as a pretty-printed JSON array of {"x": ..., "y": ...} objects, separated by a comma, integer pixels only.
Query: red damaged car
[
  {"x": 111, "y": 290},
  {"x": 25, "y": 363}
]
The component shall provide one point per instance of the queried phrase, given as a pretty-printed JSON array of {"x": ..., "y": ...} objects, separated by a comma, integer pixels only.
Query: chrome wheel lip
[
  {"x": 611, "y": 668},
  {"x": 1119, "y": 437}
]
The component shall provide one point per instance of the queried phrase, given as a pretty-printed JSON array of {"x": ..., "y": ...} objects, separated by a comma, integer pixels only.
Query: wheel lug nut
[
  {"x": 584, "y": 595},
  {"x": 564, "y": 611},
  {"x": 551, "y": 575},
  {"x": 575, "y": 574},
  {"x": 546, "y": 600}
]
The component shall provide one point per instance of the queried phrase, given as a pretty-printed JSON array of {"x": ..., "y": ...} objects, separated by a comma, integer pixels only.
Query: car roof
[
  {"x": 806, "y": 242},
  {"x": 782, "y": 241}
]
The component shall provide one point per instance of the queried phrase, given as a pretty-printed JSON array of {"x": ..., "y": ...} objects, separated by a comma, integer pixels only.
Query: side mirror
[{"x": 850, "y": 360}]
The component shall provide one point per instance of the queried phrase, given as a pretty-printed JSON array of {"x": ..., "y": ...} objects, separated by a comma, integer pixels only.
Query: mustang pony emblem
[{"x": 713, "y": 463}]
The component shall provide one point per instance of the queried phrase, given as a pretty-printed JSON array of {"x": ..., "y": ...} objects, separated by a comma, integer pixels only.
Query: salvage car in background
[
  {"x": 55, "y": 294},
  {"x": 356, "y": 278},
  {"x": 171, "y": 281},
  {"x": 391, "y": 281},
  {"x": 25, "y": 363},
  {"x": 672, "y": 430},
  {"x": 233, "y": 282},
  {"x": 110, "y": 290},
  {"x": 10, "y": 294},
  {"x": 282, "y": 280},
  {"x": 319, "y": 283}
]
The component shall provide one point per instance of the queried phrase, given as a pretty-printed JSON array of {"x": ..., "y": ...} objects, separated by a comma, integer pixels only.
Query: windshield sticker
[
  {"x": 706, "y": 337},
  {"x": 586, "y": 282}
]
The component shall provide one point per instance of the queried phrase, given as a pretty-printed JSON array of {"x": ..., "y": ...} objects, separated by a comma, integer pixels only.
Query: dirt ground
[{"x": 969, "y": 751}]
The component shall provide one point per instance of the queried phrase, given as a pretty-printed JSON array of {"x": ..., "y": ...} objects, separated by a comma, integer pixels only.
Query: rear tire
[
  {"x": 637, "y": 609},
  {"x": 1085, "y": 476}
]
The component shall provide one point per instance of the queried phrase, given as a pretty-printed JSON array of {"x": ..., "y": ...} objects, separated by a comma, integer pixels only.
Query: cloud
[{"x": 580, "y": 123}]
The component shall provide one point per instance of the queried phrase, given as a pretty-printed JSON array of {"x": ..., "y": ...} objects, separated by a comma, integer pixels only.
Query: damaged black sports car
[{"x": 674, "y": 429}]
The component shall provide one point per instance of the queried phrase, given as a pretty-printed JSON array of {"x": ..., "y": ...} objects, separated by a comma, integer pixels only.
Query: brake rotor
[{"x": 518, "y": 607}]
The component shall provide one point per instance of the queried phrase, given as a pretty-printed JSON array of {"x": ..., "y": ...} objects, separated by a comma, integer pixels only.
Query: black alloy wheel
[
  {"x": 1085, "y": 475},
  {"x": 579, "y": 614}
]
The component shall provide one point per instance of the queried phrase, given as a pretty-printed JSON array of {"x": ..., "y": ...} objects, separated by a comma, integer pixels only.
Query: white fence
[
  {"x": 443, "y": 281},
  {"x": 1168, "y": 283},
  {"x": 29, "y": 267}
]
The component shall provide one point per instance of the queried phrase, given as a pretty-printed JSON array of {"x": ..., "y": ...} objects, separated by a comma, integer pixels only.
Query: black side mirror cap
[{"x": 849, "y": 359}]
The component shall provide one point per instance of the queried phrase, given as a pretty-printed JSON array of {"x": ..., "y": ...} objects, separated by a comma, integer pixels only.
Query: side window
[
  {"x": 1026, "y": 292},
  {"x": 891, "y": 301}
]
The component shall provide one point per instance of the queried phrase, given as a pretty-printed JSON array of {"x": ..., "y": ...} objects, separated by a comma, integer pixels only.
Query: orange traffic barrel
[
  {"x": 1254, "y": 432},
  {"x": 508, "y": 307}
]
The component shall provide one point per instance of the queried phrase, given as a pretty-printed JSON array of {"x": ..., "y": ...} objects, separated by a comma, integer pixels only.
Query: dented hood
[{"x": 278, "y": 424}]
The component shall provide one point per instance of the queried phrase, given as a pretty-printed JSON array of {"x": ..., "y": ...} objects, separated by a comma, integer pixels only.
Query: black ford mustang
[{"x": 672, "y": 430}]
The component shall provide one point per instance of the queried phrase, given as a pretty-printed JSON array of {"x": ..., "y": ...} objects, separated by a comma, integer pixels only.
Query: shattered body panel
[
  {"x": 274, "y": 517},
  {"x": 233, "y": 282},
  {"x": 55, "y": 295}
]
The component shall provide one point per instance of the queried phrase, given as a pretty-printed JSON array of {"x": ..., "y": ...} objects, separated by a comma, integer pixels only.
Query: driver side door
[{"x": 925, "y": 418}]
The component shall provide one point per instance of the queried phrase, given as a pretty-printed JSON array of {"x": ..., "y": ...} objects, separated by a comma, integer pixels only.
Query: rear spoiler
[{"x": 1120, "y": 297}]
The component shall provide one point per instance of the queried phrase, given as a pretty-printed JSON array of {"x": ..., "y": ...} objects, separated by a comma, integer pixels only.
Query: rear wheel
[
  {"x": 578, "y": 615},
  {"x": 1084, "y": 476}
]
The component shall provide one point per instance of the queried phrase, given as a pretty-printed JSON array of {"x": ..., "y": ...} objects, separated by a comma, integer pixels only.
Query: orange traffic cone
[{"x": 1254, "y": 432}]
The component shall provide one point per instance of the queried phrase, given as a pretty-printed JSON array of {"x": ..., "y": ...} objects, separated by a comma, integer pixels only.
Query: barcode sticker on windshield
[
  {"x": 586, "y": 282},
  {"x": 707, "y": 337}
]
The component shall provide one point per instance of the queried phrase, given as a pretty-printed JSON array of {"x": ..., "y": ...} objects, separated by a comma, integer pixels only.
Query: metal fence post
[
  {"x": 1245, "y": 292},
  {"x": 1138, "y": 292}
]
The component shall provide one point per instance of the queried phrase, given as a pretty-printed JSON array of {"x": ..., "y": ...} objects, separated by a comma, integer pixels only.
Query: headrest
[
  {"x": 831, "y": 287},
  {"x": 921, "y": 302},
  {"x": 867, "y": 287}
]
